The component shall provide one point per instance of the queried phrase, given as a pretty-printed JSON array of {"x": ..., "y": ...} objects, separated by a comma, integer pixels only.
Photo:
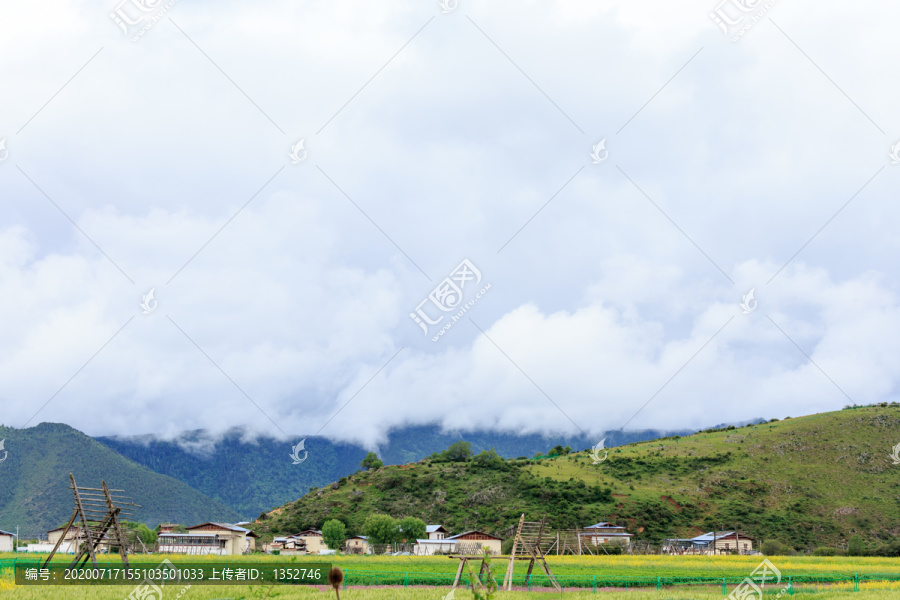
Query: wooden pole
[
  {"x": 117, "y": 529},
  {"x": 61, "y": 538},
  {"x": 84, "y": 525},
  {"x": 508, "y": 577}
]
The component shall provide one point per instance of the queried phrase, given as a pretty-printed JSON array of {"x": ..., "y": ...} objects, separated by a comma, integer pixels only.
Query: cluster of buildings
[
  {"x": 230, "y": 539},
  {"x": 438, "y": 541},
  {"x": 206, "y": 538}
]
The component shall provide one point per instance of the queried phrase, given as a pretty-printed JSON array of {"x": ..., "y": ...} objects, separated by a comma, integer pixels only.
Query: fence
[{"x": 791, "y": 583}]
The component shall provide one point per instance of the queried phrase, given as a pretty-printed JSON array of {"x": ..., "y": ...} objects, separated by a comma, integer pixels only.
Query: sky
[{"x": 334, "y": 218}]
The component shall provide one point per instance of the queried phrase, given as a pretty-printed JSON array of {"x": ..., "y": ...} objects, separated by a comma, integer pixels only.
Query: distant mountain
[
  {"x": 807, "y": 481},
  {"x": 34, "y": 482},
  {"x": 249, "y": 477},
  {"x": 255, "y": 476}
]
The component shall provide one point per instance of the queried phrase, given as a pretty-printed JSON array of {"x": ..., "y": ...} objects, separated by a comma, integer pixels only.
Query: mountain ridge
[{"x": 34, "y": 481}]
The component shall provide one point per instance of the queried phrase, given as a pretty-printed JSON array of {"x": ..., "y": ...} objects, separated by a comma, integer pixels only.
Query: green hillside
[
  {"x": 34, "y": 481},
  {"x": 807, "y": 482}
]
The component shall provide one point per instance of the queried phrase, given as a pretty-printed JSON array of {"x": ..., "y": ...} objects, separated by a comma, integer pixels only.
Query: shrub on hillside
[
  {"x": 887, "y": 549},
  {"x": 776, "y": 548},
  {"x": 488, "y": 459},
  {"x": 371, "y": 461}
]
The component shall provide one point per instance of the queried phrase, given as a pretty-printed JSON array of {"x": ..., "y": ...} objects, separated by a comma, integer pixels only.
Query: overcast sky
[{"x": 160, "y": 153}]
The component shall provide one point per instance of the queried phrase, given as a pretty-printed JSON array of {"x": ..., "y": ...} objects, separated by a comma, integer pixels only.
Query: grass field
[
  {"x": 809, "y": 575},
  {"x": 575, "y": 566},
  {"x": 283, "y": 593}
]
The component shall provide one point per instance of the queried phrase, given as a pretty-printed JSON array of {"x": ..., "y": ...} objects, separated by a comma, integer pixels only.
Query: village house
[
  {"x": 7, "y": 541},
  {"x": 290, "y": 544},
  {"x": 472, "y": 542},
  {"x": 73, "y": 539},
  {"x": 606, "y": 533},
  {"x": 168, "y": 527},
  {"x": 313, "y": 539},
  {"x": 308, "y": 541},
  {"x": 428, "y": 547},
  {"x": 357, "y": 544},
  {"x": 436, "y": 532},
  {"x": 714, "y": 542},
  {"x": 209, "y": 538}
]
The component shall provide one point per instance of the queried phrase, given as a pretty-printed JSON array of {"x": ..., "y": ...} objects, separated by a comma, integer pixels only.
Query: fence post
[
  {"x": 594, "y": 584},
  {"x": 406, "y": 581},
  {"x": 346, "y": 577},
  {"x": 724, "y": 588},
  {"x": 856, "y": 582},
  {"x": 659, "y": 583},
  {"x": 790, "y": 585}
]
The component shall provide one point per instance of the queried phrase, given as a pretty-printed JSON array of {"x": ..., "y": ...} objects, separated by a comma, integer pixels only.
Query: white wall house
[
  {"x": 429, "y": 547},
  {"x": 209, "y": 538},
  {"x": 7, "y": 541}
]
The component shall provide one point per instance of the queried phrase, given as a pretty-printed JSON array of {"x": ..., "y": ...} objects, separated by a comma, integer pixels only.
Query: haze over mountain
[
  {"x": 34, "y": 482},
  {"x": 253, "y": 474}
]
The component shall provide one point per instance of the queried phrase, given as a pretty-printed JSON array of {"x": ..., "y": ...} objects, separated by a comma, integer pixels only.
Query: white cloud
[{"x": 450, "y": 149}]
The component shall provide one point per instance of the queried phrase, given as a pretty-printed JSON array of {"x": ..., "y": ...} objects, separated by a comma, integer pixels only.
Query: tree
[
  {"x": 381, "y": 529},
  {"x": 856, "y": 546},
  {"x": 412, "y": 528},
  {"x": 144, "y": 533},
  {"x": 488, "y": 459},
  {"x": 459, "y": 451},
  {"x": 371, "y": 461},
  {"x": 334, "y": 534}
]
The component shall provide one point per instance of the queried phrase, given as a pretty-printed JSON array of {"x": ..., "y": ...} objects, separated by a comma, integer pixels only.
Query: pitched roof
[
  {"x": 459, "y": 535},
  {"x": 433, "y": 528},
  {"x": 6, "y": 533},
  {"x": 227, "y": 526},
  {"x": 601, "y": 524},
  {"x": 708, "y": 537}
]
